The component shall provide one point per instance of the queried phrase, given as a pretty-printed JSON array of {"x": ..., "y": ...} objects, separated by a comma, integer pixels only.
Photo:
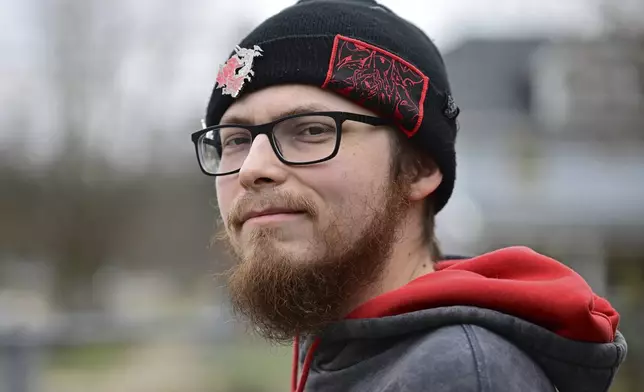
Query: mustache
[{"x": 265, "y": 200}]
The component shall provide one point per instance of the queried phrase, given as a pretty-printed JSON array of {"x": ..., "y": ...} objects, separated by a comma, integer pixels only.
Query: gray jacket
[
  {"x": 439, "y": 333},
  {"x": 458, "y": 348}
]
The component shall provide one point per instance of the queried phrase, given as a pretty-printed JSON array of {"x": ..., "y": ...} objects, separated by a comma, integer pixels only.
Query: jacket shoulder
[{"x": 466, "y": 358}]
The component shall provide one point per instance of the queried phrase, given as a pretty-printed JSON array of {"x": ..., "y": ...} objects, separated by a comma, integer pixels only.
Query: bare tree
[{"x": 84, "y": 216}]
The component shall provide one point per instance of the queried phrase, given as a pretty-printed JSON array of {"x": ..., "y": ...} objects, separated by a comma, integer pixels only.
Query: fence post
[{"x": 18, "y": 363}]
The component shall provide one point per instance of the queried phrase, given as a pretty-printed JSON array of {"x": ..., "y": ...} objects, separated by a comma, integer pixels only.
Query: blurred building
[{"x": 550, "y": 149}]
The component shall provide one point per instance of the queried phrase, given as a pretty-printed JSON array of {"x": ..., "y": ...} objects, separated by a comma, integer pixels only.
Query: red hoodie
[{"x": 516, "y": 281}]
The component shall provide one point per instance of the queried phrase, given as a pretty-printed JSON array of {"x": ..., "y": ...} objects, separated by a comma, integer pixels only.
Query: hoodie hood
[{"x": 536, "y": 303}]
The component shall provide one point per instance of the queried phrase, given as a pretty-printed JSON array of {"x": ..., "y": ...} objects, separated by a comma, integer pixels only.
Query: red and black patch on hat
[{"x": 378, "y": 80}]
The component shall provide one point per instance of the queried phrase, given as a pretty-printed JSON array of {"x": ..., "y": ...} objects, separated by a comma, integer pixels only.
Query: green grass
[
  {"x": 87, "y": 357},
  {"x": 250, "y": 367},
  {"x": 238, "y": 366}
]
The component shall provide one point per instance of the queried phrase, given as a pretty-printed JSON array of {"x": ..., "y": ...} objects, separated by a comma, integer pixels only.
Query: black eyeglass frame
[{"x": 267, "y": 129}]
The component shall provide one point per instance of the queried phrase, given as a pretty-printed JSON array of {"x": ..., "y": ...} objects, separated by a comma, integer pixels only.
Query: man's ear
[{"x": 427, "y": 177}]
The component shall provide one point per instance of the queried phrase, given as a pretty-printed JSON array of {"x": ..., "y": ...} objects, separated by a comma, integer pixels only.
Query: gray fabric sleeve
[{"x": 466, "y": 358}]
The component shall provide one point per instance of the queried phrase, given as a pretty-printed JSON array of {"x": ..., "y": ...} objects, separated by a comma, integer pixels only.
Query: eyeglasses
[{"x": 300, "y": 139}]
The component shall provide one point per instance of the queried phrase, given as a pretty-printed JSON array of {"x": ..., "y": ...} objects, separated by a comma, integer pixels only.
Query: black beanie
[{"x": 364, "y": 52}]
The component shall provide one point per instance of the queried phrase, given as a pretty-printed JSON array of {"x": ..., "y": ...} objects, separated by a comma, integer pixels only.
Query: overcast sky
[
  {"x": 445, "y": 21},
  {"x": 449, "y": 21},
  {"x": 211, "y": 24}
]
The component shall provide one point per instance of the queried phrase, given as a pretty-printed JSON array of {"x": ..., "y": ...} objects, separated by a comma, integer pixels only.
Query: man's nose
[{"x": 262, "y": 167}]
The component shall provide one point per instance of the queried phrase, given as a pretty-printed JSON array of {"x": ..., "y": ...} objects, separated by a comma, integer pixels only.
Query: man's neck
[{"x": 409, "y": 260}]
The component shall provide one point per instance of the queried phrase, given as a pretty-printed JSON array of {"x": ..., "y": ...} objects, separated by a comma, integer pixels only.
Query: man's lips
[{"x": 271, "y": 212}]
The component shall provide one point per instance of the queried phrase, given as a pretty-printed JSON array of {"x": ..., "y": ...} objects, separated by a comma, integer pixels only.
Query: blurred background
[{"x": 107, "y": 276}]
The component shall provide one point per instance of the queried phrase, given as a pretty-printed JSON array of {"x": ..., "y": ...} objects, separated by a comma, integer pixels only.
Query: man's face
[{"x": 333, "y": 224}]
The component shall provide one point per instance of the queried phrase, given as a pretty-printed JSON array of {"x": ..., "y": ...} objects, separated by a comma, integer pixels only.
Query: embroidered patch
[
  {"x": 378, "y": 80},
  {"x": 236, "y": 70}
]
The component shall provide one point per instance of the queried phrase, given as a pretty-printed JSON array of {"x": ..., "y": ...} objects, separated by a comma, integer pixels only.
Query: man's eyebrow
[{"x": 300, "y": 109}]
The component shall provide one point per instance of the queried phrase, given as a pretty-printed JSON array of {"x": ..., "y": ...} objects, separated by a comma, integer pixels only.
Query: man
[{"x": 331, "y": 134}]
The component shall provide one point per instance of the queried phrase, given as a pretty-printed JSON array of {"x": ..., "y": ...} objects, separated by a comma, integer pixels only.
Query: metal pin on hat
[{"x": 236, "y": 70}]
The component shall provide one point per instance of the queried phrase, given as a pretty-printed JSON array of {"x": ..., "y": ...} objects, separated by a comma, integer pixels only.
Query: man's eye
[
  {"x": 232, "y": 141},
  {"x": 315, "y": 130}
]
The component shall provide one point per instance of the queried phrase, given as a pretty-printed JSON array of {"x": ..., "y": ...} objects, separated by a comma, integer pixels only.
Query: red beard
[{"x": 282, "y": 297}]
